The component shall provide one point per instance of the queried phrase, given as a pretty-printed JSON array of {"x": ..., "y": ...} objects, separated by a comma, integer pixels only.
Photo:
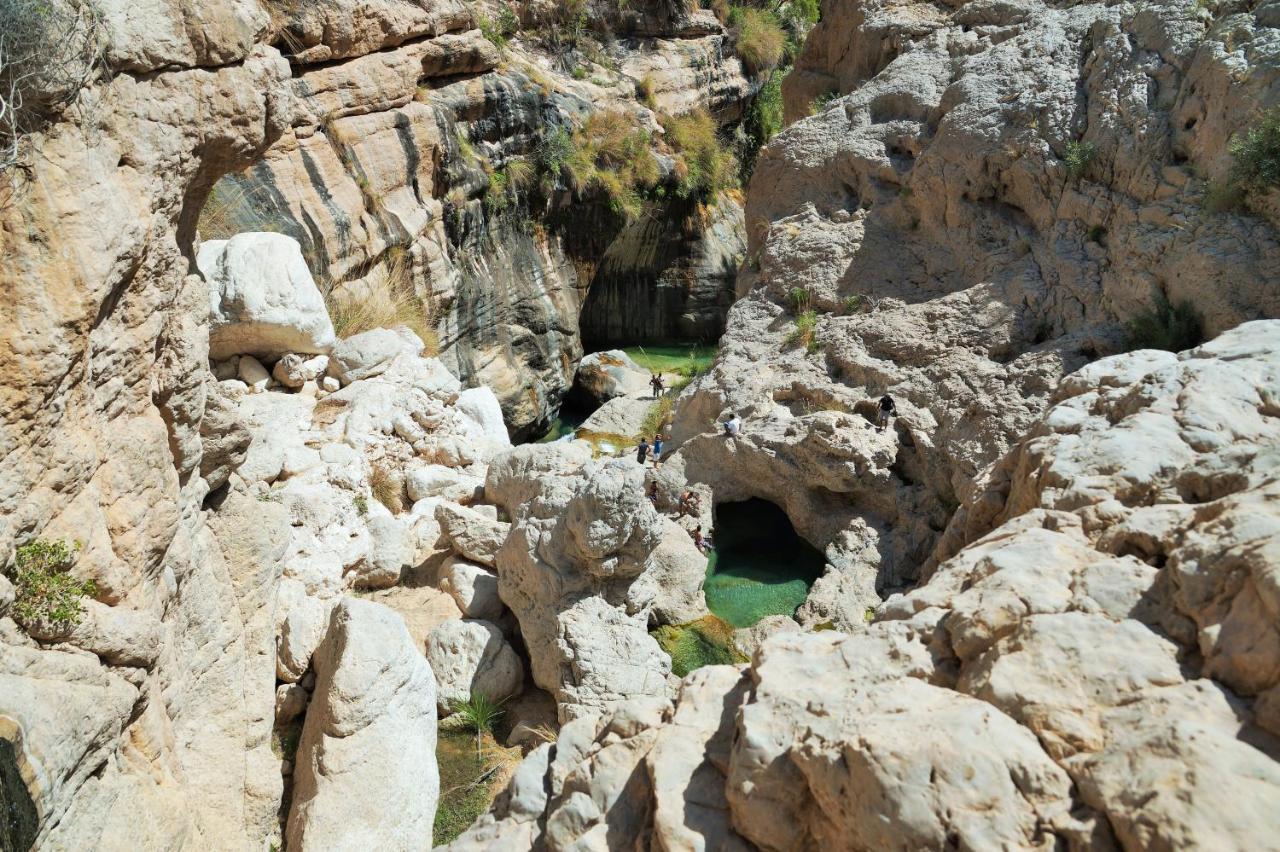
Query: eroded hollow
[
  {"x": 19, "y": 820},
  {"x": 759, "y": 565}
]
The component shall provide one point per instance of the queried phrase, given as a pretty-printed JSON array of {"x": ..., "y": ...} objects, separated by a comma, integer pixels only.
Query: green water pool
[
  {"x": 759, "y": 566},
  {"x": 688, "y": 360}
]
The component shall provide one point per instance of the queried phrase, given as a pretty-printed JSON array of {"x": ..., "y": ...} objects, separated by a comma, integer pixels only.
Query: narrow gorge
[{"x": 337, "y": 338}]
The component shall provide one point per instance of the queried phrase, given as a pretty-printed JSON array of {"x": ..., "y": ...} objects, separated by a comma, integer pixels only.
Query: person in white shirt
[{"x": 732, "y": 426}]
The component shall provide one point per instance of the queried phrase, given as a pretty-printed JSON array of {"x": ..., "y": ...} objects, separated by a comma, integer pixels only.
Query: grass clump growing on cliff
[
  {"x": 805, "y": 332},
  {"x": 610, "y": 153},
  {"x": 1078, "y": 156},
  {"x": 761, "y": 40},
  {"x": 704, "y": 165},
  {"x": 1166, "y": 326},
  {"x": 705, "y": 642},
  {"x": 384, "y": 300},
  {"x": 659, "y": 414},
  {"x": 46, "y": 593},
  {"x": 1256, "y": 155},
  {"x": 386, "y": 487}
]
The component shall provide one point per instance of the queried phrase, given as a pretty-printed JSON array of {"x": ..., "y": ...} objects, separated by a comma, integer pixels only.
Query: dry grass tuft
[
  {"x": 383, "y": 302},
  {"x": 387, "y": 487}
]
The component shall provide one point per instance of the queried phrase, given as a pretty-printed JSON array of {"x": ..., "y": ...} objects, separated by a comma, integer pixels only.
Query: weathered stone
[
  {"x": 263, "y": 299},
  {"x": 471, "y": 657},
  {"x": 366, "y": 769}
]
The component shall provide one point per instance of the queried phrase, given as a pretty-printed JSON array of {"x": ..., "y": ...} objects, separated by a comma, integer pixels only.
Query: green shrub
[
  {"x": 806, "y": 331},
  {"x": 1169, "y": 327},
  {"x": 821, "y": 102},
  {"x": 361, "y": 503},
  {"x": 45, "y": 592},
  {"x": 579, "y": 73},
  {"x": 761, "y": 39},
  {"x": 855, "y": 304},
  {"x": 705, "y": 642},
  {"x": 1256, "y": 155},
  {"x": 1078, "y": 157},
  {"x": 499, "y": 32},
  {"x": 765, "y": 118},
  {"x": 704, "y": 165},
  {"x": 480, "y": 714},
  {"x": 798, "y": 299},
  {"x": 806, "y": 12}
]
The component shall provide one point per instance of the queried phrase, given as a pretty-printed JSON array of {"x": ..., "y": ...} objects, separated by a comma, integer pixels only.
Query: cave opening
[
  {"x": 19, "y": 820},
  {"x": 759, "y": 566}
]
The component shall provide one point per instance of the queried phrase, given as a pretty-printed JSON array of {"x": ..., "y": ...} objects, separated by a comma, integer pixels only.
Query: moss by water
[
  {"x": 759, "y": 566},
  {"x": 468, "y": 782},
  {"x": 705, "y": 642},
  {"x": 686, "y": 361}
]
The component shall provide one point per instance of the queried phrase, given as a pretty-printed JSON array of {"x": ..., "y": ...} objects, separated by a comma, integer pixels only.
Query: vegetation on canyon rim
[{"x": 48, "y": 53}]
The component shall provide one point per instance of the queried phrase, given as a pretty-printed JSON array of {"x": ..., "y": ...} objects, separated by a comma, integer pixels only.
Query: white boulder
[
  {"x": 370, "y": 353},
  {"x": 473, "y": 587},
  {"x": 263, "y": 300},
  {"x": 470, "y": 657},
  {"x": 366, "y": 773}
]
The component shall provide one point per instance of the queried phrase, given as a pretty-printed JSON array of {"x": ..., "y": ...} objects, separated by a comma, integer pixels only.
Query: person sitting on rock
[
  {"x": 732, "y": 426},
  {"x": 653, "y": 493},
  {"x": 655, "y": 382},
  {"x": 886, "y": 408},
  {"x": 657, "y": 450},
  {"x": 689, "y": 503},
  {"x": 700, "y": 541},
  {"x": 642, "y": 451}
]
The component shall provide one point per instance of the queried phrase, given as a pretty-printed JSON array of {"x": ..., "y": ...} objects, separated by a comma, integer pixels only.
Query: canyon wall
[
  {"x": 991, "y": 195},
  {"x": 386, "y": 169},
  {"x": 152, "y": 722}
]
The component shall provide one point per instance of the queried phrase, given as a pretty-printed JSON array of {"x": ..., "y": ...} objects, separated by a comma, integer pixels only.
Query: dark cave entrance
[{"x": 759, "y": 566}]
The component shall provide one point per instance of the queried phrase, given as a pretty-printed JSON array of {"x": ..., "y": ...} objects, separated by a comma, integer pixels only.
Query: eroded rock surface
[{"x": 1080, "y": 675}]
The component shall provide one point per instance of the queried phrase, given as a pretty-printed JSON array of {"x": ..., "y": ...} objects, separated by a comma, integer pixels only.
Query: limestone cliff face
[
  {"x": 404, "y": 110},
  {"x": 993, "y": 192},
  {"x": 153, "y": 720}
]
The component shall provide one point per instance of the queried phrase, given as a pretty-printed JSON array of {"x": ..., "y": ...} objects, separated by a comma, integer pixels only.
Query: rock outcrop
[
  {"x": 577, "y": 570},
  {"x": 366, "y": 769},
  {"x": 390, "y": 176},
  {"x": 994, "y": 192},
  {"x": 1081, "y": 675}
]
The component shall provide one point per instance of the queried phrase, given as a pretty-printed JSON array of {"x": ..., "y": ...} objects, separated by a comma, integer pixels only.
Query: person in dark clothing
[
  {"x": 653, "y": 493},
  {"x": 886, "y": 408},
  {"x": 656, "y": 383},
  {"x": 642, "y": 451}
]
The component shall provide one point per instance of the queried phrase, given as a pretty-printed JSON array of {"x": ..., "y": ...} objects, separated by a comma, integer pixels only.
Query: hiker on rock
[
  {"x": 699, "y": 541},
  {"x": 655, "y": 382},
  {"x": 642, "y": 451},
  {"x": 732, "y": 426},
  {"x": 886, "y": 408},
  {"x": 690, "y": 503},
  {"x": 657, "y": 450}
]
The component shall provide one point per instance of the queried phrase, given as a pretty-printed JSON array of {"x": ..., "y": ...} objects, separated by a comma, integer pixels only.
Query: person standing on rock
[
  {"x": 657, "y": 450},
  {"x": 655, "y": 382},
  {"x": 642, "y": 451},
  {"x": 886, "y": 408}
]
